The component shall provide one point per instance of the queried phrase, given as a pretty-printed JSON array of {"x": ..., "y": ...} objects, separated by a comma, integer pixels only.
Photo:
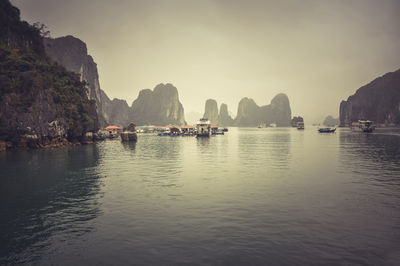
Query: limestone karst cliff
[
  {"x": 250, "y": 114},
  {"x": 40, "y": 101},
  {"x": 378, "y": 101},
  {"x": 160, "y": 106},
  {"x": 115, "y": 111},
  {"x": 211, "y": 111},
  {"x": 72, "y": 53},
  {"x": 224, "y": 119}
]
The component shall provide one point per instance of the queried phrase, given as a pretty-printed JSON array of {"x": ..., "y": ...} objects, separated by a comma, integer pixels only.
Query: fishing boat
[
  {"x": 327, "y": 130},
  {"x": 363, "y": 126},
  {"x": 218, "y": 131},
  {"x": 203, "y": 128},
  {"x": 300, "y": 125}
]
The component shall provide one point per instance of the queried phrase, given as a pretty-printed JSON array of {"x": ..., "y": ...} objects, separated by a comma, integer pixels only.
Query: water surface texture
[{"x": 275, "y": 196}]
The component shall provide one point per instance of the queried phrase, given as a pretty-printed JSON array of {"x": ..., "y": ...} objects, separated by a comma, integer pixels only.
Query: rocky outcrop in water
[
  {"x": 41, "y": 103},
  {"x": 224, "y": 119},
  {"x": 330, "y": 121},
  {"x": 71, "y": 53},
  {"x": 250, "y": 114},
  {"x": 160, "y": 106},
  {"x": 378, "y": 101},
  {"x": 211, "y": 111},
  {"x": 116, "y": 112}
]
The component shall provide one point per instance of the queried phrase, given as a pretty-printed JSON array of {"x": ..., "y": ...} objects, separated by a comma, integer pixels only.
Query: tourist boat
[
  {"x": 203, "y": 128},
  {"x": 327, "y": 130},
  {"x": 218, "y": 131},
  {"x": 363, "y": 126},
  {"x": 300, "y": 125}
]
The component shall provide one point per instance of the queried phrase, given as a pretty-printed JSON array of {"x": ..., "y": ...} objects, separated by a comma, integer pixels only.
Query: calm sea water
[{"x": 274, "y": 196}]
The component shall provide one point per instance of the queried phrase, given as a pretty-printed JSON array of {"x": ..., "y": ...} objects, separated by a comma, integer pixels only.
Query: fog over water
[{"x": 317, "y": 52}]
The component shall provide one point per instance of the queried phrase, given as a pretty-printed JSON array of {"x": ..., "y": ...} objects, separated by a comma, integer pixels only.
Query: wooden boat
[{"x": 326, "y": 130}]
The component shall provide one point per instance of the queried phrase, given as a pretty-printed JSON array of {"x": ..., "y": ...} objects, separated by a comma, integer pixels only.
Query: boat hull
[{"x": 326, "y": 130}]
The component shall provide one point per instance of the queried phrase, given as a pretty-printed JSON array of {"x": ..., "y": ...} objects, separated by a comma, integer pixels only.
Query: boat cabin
[{"x": 203, "y": 128}]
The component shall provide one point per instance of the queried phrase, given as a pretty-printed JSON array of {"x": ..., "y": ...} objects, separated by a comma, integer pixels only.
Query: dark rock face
[
  {"x": 116, "y": 111},
  {"x": 250, "y": 114},
  {"x": 71, "y": 53},
  {"x": 378, "y": 101},
  {"x": 295, "y": 120},
  {"x": 211, "y": 111},
  {"x": 224, "y": 118},
  {"x": 41, "y": 103},
  {"x": 158, "y": 107},
  {"x": 330, "y": 121}
]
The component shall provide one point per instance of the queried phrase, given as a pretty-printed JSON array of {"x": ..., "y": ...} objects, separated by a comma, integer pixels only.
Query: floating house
[
  {"x": 188, "y": 130},
  {"x": 113, "y": 129},
  {"x": 174, "y": 131}
]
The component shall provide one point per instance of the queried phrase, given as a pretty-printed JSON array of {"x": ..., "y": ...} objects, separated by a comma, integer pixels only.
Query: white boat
[
  {"x": 203, "y": 128},
  {"x": 363, "y": 126}
]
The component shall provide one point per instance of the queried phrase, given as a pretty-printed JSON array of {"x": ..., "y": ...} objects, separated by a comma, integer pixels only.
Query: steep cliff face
[
  {"x": 224, "y": 118},
  {"x": 278, "y": 111},
  {"x": 39, "y": 100},
  {"x": 211, "y": 111},
  {"x": 158, "y": 107},
  {"x": 378, "y": 101},
  {"x": 115, "y": 111},
  {"x": 250, "y": 114},
  {"x": 71, "y": 53}
]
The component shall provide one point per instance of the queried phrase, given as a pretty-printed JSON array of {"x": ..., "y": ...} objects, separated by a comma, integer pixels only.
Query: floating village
[{"x": 204, "y": 128}]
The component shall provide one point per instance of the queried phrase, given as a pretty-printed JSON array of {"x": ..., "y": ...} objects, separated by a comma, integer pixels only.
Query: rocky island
[
  {"x": 41, "y": 103},
  {"x": 378, "y": 101},
  {"x": 278, "y": 112}
]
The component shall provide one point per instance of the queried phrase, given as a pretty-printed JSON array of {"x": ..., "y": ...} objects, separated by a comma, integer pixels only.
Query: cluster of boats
[
  {"x": 203, "y": 128},
  {"x": 361, "y": 126},
  {"x": 366, "y": 126}
]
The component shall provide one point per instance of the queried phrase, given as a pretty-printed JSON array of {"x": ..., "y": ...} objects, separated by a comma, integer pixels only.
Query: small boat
[
  {"x": 300, "y": 125},
  {"x": 203, "y": 128},
  {"x": 218, "y": 131},
  {"x": 326, "y": 130}
]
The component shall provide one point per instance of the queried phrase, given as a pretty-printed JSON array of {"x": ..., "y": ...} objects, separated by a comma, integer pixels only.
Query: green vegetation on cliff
[{"x": 34, "y": 91}]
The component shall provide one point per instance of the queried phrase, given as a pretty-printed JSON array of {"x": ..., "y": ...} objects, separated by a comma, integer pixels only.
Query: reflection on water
[
  {"x": 262, "y": 148},
  {"x": 274, "y": 196},
  {"x": 46, "y": 197},
  {"x": 375, "y": 155}
]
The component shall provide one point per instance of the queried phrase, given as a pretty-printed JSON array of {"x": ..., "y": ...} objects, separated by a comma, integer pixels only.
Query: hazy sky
[{"x": 317, "y": 52}]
